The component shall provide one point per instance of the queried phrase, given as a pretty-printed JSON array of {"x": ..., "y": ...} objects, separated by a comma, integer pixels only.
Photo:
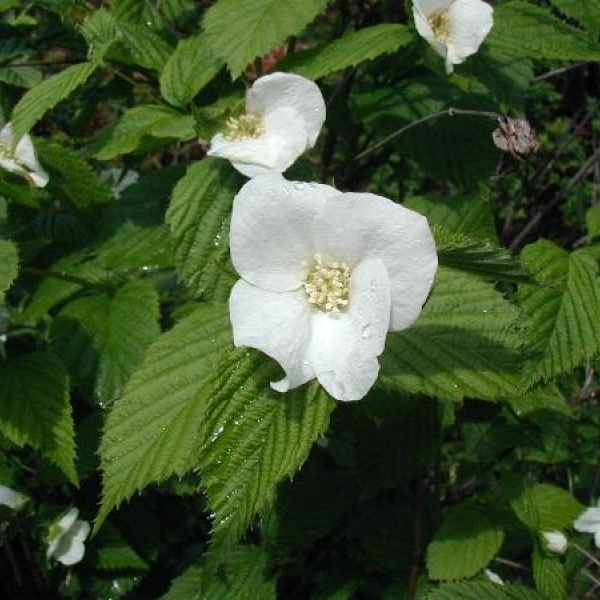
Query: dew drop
[
  {"x": 367, "y": 332},
  {"x": 299, "y": 185}
]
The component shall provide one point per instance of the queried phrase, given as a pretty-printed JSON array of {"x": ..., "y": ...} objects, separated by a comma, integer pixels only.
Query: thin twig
[
  {"x": 559, "y": 71},
  {"x": 585, "y": 553},
  {"x": 447, "y": 112},
  {"x": 70, "y": 278},
  {"x": 510, "y": 563}
]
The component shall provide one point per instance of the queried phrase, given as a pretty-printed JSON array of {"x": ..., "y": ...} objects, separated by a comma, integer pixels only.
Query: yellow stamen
[{"x": 328, "y": 287}]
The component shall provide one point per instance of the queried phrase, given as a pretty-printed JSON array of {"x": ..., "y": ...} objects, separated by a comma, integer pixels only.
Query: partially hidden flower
[
  {"x": 20, "y": 157},
  {"x": 515, "y": 136},
  {"x": 493, "y": 577},
  {"x": 556, "y": 541},
  {"x": 454, "y": 28},
  {"x": 119, "y": 179},
  {"x": 283, "y": 118},
  {"x": 589, "y": 522},
  {"x": 324, "y": 276},
  {"x": 9, "y": 497},
  {"x": 66, "y": 537}
]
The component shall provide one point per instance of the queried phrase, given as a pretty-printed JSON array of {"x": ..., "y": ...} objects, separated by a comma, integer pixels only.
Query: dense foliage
[{"x": 122, "y": 394}]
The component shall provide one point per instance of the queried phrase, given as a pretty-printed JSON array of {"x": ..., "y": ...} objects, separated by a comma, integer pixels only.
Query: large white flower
[
  {"x": 12, "y": 499},
  {"x": 20, "y": 158},
  {"x": 589, "y": 522},
  {"x": 454, "y": 28},
  {"x": 284, "y": 115},
  {"x": 325, "y": 276},
  {"x": 66, "y": 537}
]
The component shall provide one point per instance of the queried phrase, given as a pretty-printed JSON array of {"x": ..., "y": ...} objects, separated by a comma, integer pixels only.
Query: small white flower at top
[
  {"x": 556, "y": 541},
  {"x": 324, "y": 276},
  {"x": 454, "y": 28},
  {"x": 493, "y": 577},
  {"x": 284, "y": 115},
  {"x": 14, "y": 500},
  {"x": 66, "y": 537},
  {"x": 20, "y": 157},
  {"x": 589, "y": 522}
]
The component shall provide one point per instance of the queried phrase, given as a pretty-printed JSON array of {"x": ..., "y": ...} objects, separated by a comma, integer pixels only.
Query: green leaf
[
  {"x": 102, "y": 339},
  {"x": 37, "y": 101},
  {"x": 475, "y": 590},
  {"x": 592, "y": 220},
  {"x": 136, "y": 126},
  {"x": 242, "y": 577},
  {"x": 522, "y": 29},
  {"x": 71, "y": 178},
  {"x": 465, "y": 543},
  {"x": 199, "y": 220},
  {"x": 563, "y": 309},
  {"x": 238, "y": 36},
  {"x": 254, "y": 437},
  {"x": 478, "y": 257},
  {"x": 465, "y": 343},
  {"x": 586, "y": 13},
  {"x": 115, "y": 552},
  {"x": 549, "y": 574},
  {"x": 543, "y": 507},
  {"x": 349, "y": 50},
  {"x": 152, "y": 432},
  {"x": 100, "y": 32},
  {"x": 9, "y": 266},
  {"x": 18, "y": 76},
  {"x": 188, "y": 70},
  {"x": 146, "y": 47},
  {"x": 35, "y": 408}
]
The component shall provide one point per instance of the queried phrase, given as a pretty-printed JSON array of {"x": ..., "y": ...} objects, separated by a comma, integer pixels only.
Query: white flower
[
  {"x": 66, "y": 537},
  {"x": 284, "y": 115},
  {"x": 20, "y": 158},
  {"x": 454, "y": 28},
  {"x": 556, "y": 541},
  {"x": 589, "y": 522},
  {"x": 493, "y": 577},
  {"x": 12, "y": 499},
  {"x": 325, "y": 276},
  {"x": 119, "y": 179}
]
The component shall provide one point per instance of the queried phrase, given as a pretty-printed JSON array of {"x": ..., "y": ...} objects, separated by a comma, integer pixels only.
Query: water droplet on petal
[
  {"x": 367, "y": 332},
  {"x": 299, "y": 185}
]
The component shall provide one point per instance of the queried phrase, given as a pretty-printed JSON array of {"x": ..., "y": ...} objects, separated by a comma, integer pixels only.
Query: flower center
[
  {"x": 244, "y": 127},
  {"x": 440, "y": 24},
  {"x": 6, "y": 151},
  {"x": 327, "y": 287}
]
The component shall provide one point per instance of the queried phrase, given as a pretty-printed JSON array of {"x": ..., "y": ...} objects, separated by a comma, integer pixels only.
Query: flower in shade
[
  {"x": 589, "y": 522},
  {"x": 556, "y": 541},
  {"x": 454, "y": 28},
  {"x": 12, "y": 499},
  {"x": 493, "y": 577},
  {"x": 324, "y": 276},
  {"x": 283, "y": 118},
  {"x": 66, "y": 537},
  {"x": 20, "y": 157}
]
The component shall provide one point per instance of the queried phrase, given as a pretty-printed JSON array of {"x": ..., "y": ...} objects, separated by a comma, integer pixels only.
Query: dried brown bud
[{"x": 515, "y": 136}]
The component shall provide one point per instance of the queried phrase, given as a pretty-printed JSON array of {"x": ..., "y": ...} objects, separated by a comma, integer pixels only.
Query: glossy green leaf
[
  {"x": 239, "y": 36},
  {"x": 475, "y": 590},
  {"x": 188, "y": 70},
  {"x": 549, "y": 574},
  {"x": 152, "y": 432},
  {"x": 254, "y": 437},
  {"x": 466, "y": 343},
  {"x": 102, "y": 338},
  {"x": 9, "y": 266},
  {"x": 145, "y": 46},
  {"x": 464, "y": 545},
  {"x": 45, "y": 96},
  {"x": 199, "y": 220},
  {"x": 351, "y": 49},
  {"x": 586, "y": 13},
  {"x": 563, "y": 309},
  {"x": 35, "y": 408}
]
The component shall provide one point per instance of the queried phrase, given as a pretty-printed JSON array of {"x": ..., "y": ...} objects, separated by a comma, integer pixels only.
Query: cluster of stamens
[
  {"x": 328, "y": 287},
  {"x": 440, "y": 24},
  {"x": 244, "y": 127},
  {"x": 6, "y": 151}
]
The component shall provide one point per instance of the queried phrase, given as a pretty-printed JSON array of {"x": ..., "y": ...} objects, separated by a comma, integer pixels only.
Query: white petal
[
  {"x": 282, "y": 142},
  {"x": 422, "y": 10},
  {"x": 355, "y": 226},
  {"x": 6, "y": 136},
  {"x": 427, "y": 7},
  {"x": 9, "y": 497},
  {"x": 470, "y": 22},
  {"x": 597, "y": 538},
  {"x": 70, "y": 552},
  {"x": 286, "y": 90},
  {"x": 588, "y": 521},
  {"x": 345, "y": 346},
  {"x": 270, "y": 233},
  {"x": 80, "y": 530},
  {"x": 278, "y": 324},
  {"x": 68, "y": 519},
  {"x": 10, "y": 165}
]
